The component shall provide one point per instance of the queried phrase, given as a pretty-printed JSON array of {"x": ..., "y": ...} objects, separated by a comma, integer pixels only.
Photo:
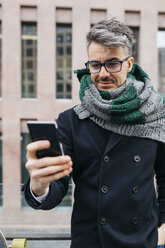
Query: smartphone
[{"x": 46, "y": 131}]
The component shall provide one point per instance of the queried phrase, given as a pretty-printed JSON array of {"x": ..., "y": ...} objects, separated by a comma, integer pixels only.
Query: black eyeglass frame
[{"x": 104, "y": 64}]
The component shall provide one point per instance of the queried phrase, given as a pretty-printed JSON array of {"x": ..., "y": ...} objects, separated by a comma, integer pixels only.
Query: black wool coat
[{"x": 115, "y": 200}]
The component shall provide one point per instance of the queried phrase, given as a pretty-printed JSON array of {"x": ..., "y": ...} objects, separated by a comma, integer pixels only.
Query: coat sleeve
[
  {"x": 58, "y": 189},
  {"x": 160, "y": 177}
]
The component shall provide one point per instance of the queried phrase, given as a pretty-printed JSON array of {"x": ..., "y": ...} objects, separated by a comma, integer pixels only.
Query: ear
[{"x": 130, "y": 64}]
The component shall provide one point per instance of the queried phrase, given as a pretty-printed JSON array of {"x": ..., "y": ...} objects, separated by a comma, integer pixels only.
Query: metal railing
[{"x": 62, "y": 241}]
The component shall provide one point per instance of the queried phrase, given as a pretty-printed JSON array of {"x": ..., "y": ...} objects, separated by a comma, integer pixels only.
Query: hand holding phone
[
  {"x": 46, "y": 131},
  {"x": 43, "y": 171}
]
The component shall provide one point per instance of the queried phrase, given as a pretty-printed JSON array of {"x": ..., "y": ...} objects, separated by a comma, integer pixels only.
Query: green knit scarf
[{"x": 133, "y": 109}]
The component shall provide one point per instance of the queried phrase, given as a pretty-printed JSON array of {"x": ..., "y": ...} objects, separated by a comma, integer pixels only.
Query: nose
[{"x": 103, "y": 73}]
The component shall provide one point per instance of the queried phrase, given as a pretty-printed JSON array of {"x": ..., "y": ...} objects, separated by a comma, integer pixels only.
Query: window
[
  {"x": 60, "y": 51},
  {"x": 31, "y": 88},
  {"x": 68, "y": 38},
  {"x": 68, "y": 75},
  {"x": 59, "y": 38},
  {"x": 68, "y": 87},
  {"x": 59, "y": 62},
  {"x": 29, "y": 52},
  {"x": 161, "y": 60},
  {"x": 135, "y": 50},
  {"x": 30, "y": 64},
  {"x": 60, "y": 87},
  {"x": 25, "y": 139},
  {"x": 63, "y": 61},
  {"x": 29, "y": 60},
  {"x": 60, "y": 75},
  {"x": 69, "y": 62},
  {"x": 68, "y": 51}
]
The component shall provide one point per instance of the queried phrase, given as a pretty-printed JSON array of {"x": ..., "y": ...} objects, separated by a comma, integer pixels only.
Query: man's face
[{"x": 105, "y": 80}]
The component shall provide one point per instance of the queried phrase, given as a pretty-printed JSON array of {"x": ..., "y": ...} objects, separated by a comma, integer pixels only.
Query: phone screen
[{"x": 46, "y": 131}]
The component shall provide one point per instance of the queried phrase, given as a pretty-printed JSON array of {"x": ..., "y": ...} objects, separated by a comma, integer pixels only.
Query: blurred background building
[{"x": 41, "y": 44}]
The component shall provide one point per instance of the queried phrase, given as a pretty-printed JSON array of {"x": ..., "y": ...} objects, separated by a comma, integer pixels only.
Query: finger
[
  {"x": 35, "y": 164},
  {"x": 54, "y": 177},
  {"x": 33, "y": 147},
  {"x": 42, "y": 167},
  {"x": 51, "y": 170},
  {"x": 51, "y": 161}
]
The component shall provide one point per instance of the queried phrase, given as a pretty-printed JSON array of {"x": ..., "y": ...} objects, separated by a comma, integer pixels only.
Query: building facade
[{"x": 41, "y": 44}]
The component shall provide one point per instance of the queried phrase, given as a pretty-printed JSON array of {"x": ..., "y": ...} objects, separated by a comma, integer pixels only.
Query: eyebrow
[
  {"x": 112, "y": 59},
  {"x": 108, "y": 60}
]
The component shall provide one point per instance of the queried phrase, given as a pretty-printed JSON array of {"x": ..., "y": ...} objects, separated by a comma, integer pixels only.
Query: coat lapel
[{"x": 113, "y": 141}]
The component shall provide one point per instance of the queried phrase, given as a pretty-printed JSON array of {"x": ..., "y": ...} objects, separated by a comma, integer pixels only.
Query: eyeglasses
[{"x": 110, "y": 66}]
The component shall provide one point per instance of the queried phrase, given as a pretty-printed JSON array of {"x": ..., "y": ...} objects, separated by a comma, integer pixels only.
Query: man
[{"x": 114, "y": 145}]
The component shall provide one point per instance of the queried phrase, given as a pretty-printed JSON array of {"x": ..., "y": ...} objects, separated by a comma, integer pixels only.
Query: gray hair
[{"x": 112, "y": 33}]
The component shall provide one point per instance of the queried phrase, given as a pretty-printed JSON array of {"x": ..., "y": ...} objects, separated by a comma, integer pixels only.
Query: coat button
[
  {"x": 104, "y": 189},
  {"x": 103, "y": 221},
  {"x": 135, "y": 189},
  {"x": 137, "y": 158},
  {"x": 135, "y": 220},
  {"x": 106, "y": 158}
]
